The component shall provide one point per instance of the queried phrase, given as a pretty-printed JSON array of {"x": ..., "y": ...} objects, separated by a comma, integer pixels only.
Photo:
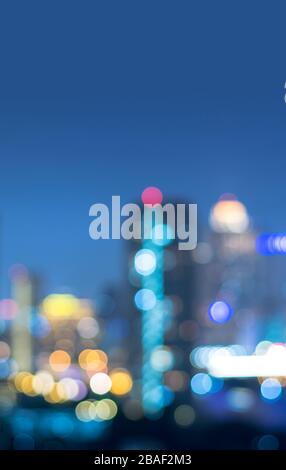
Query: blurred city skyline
[
  {"x": 133, "y": 343},
  {"x": 100, "y": 108}
]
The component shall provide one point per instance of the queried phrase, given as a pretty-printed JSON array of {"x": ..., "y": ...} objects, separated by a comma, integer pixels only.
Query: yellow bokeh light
[
  {"x": 68, "y": 388},
  {"x": 61, "y": 306},
  {"x": 121, "y": 382},
  {"x": 56, "y": 395},
  {"x": 105, "y": 409},
  {"x": 229, "y": 216},
  {"x": 93, "y": 410},
  {"x": 93, "y": 360},
  {"x": 59, "y": 360},
  {"x": 85, "y": 411},
  {"x": 18, "y": 380},
  {"x": 43, "y": 382},
  {"x": 24, "y": 383},
  {"x": 27, "y": 386}
]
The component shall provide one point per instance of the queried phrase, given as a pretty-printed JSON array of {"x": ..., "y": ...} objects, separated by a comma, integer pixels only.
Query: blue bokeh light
[
  {"x": 145, "y": 299},
  {"x": 271, "y": 244},
  {"x": 201, "y": 384},
  {"x": 271, "y": 389},
  {"x": 220, "y": 311}
]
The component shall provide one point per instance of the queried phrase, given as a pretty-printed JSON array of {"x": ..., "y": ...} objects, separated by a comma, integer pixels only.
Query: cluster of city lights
[
  {"x": 150, "y": 300},
  {"x": 96, "y": 410},
  {"x": 72, "y": 370},
  {"x": 60, "y": 378},
  {"x": 74, "y": 387},
  {"x": 267, "y": 364},
  {"x": 271, "y": 244}
]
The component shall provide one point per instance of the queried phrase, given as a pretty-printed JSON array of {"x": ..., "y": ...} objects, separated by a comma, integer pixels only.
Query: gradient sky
[{"x": 105, "y": 98}]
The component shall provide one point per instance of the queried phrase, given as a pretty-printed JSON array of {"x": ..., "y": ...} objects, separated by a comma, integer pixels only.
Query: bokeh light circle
[
  {"x": 220, "y": 311},
  {"x": 145, "y": 262},
  {"x": 184, "y": 415},
  {"x": 100, "y": 383},
  {"x": 145, "y": 299},
  {"x": 271, "y": 389},
  {"x": 121, "y": 381},
  {"x": 201, "y": 384},
  {"x": 162, "y": 359},
  {"x": 59, "y": 360},
  {"x": 152, "y": 196}
]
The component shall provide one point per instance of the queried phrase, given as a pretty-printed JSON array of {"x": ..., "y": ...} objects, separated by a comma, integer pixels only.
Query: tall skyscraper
[
  {"x": 228, "y": 267},
  {"x": 21, "y": 339},
  {"x": 160, "y": 310}
]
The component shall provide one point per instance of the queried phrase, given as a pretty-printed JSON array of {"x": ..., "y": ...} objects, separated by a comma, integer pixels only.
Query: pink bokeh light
[{"x": 152, "y": 196}]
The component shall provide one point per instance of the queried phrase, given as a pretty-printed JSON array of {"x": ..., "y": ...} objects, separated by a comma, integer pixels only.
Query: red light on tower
[{"x": 152, "y": 196}]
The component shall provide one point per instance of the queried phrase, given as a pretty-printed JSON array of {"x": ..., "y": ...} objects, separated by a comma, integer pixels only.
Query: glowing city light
[
  {"x": 59, "y": 360},
  {"x": 100, "y": 383},
  {"x": 93, "y": 410},
  {"x": 27, "y": 385},
  {"x": 262, "y": 347},
  {"x": 153, "y": 327},
  {"x": 85, "y": 410},
  {"x": 60, "y": 306},
  {"x": 145, "y": 262},
  {"x": 152, "y": 196},
  {"x": 145, "y": 299},
  {"x": 93, "y": 360},
  {"x": 19, "y": 378},
  {"x": 121, "y": 381},
  {"x": 56, "y": 395},
  {"x": 270, "y": 364},
  {"x": 69, "y": 388},
  {"x": 271, "y": 389},
  {"x": 229, "y": 216},
  {"x": 43, "y": 382},
  {"x": 271, "y": 244},
  {"x": 201, "y": 384},
  {"x": 201, "y": 356},
  {"x": 162, "y": 359},
  {"x": 220, "y": 311},
  {"x": 106, "y": 409}
]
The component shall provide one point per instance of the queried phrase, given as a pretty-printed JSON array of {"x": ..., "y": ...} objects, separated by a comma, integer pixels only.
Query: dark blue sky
[{"x": 103, "y": 98}]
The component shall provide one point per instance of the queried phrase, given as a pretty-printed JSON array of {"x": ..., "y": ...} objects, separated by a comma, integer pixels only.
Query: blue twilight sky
[{"x": 105, "y": 98}]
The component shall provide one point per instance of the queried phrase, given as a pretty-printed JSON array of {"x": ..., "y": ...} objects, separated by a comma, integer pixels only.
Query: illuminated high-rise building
[
  {"x": 161, "y": 310},
  {"x": 72, "y": 324},
  {"x": 228, "y": 265},
  {"x": 21, "y": 339}
]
